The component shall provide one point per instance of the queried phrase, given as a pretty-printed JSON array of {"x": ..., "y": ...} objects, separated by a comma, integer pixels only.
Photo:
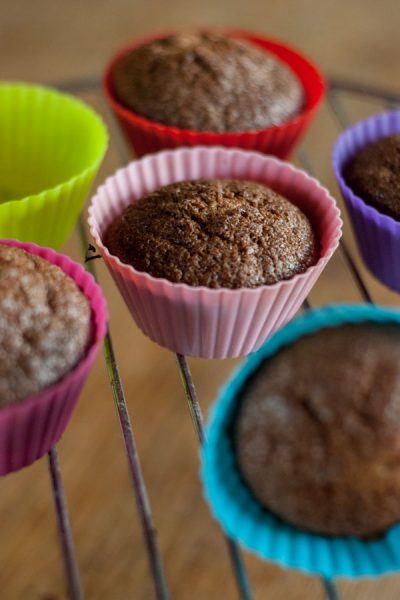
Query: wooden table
[{"x": 53, "y": 42}]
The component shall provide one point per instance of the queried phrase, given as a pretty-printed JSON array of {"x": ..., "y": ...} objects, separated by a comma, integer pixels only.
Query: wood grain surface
[{"x": 51, "y": 41}]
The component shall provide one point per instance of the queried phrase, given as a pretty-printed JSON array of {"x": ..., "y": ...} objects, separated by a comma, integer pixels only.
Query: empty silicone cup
[
  {"x": 243, "y": 518},
  {"x": 51, "y": 146},
  {"x": 199, "y": 321},
  {"x": 378, "y": 235},
  {"x": 146, "y": 136},
  {"x": 32, "y": 427}
]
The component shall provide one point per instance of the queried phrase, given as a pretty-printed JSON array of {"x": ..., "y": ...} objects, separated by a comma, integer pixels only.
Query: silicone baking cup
[
  {"x": 146, "y": 136},
  {"x": 51, "y": 146},
  {"x": 198, "y": 321},
  {"x": 378, "y": 235},
  {"x": 31, "y": 428},
  {"x": 235, "y": 507}
]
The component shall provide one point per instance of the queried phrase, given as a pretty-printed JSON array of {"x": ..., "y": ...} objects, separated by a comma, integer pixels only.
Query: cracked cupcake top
[
  {"x": 45, "y": 324},
  {"x": 214, "y": 233},
  {"x": 207, "y": 82},
  {"x": 317, "y": 432}
]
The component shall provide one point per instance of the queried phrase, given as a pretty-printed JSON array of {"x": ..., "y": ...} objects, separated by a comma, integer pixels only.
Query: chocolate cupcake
[
  {"x": 198, "y": 59},
  {"x": 366, "y": 162},
  {"x": 202, "y": 233},
  {"x": 207, "y": 82},
  {"x": 216, "y": 234},
  {"x": 374, "y": 175},
  {"x": 301, "y": 462},
  {"x": 45, "y": 324},
  {"x": 52, "y": 321},
  {"x": 317, "y": 434}
]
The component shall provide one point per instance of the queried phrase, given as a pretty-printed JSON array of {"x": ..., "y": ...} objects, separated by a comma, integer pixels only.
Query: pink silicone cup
[
  {"x": 30, "y": 429},
  {"x": 198, "y": 321}
]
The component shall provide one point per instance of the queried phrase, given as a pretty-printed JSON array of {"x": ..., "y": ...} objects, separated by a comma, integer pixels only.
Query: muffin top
[
  {"x": 214, "y": 233},
  {"x": 317, "y": 433},
  {"x": 374, "y": 175},
  {"x": 207, "y": 82},
  {"x": 45, "y": 324}
]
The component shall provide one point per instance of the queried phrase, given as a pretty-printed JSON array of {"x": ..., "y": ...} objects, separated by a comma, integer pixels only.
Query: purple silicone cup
[
  {"x": 378, "y": 235},
  {"x": 31, "y": 428}
]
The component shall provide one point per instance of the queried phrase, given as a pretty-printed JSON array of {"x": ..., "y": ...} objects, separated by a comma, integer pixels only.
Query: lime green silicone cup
[{"x": 51, "y": 146}]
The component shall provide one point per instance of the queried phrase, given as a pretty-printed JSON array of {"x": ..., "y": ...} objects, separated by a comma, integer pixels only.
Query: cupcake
[
  {"x": 301, "y": 463},
  {"x": 207, "y": 82},
  {"x": 366, "y": 164},
  {"x": 52, "y": 320},
  {"x": 45, "y": 324},
  {"x": 214, "y": 233},
  {"x": 51, "y": 148},
  {"x": 199, "y": 87},
  {"x": 337, "y": 388},
  {"x": 224, "y": 254},
  {"x": 374, "y": 175}
]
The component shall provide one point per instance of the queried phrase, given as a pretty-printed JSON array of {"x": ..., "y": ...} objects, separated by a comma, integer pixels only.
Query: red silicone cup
[
  {"x": 199, "y": 321},
  {"x": 30, "y": 429},
  {"x": 146, "y": 136}
]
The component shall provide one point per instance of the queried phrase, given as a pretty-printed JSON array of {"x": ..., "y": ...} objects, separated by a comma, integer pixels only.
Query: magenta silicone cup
[
  {"x": 198, "y": 321},
  {"x": 28, "y": 430},
  {"x": 378, "y": 235}
]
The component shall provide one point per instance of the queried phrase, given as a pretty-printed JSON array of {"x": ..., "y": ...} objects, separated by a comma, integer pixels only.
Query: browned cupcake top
[
  {"x": 374, "y": 175},
  {"x": 318, "y": 431},
  {"x": 207, "y": 82},
  {"x": 45, "y": 324},
  {"x": 214, "y": 233}
]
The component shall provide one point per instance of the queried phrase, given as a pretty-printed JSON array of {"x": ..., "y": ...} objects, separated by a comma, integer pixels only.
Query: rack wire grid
[{"x": 347, "y": 101}]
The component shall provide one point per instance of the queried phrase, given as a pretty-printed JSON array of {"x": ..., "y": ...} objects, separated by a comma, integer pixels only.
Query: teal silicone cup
[
  {"x": 51, "y": 146},
  {"x": 237, "y": 510}
]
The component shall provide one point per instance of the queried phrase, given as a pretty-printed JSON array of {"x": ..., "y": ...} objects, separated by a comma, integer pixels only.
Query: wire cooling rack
[{"x": 341, "y": 93}]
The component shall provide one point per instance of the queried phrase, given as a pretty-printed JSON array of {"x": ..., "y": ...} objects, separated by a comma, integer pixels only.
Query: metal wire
[
  {"x": 307, "y": 165},
  {"x": 78, "y": 85},
  {"x": 139, "y": 486},
  {"x": 340, "y": 85},
  {"x": 191, "y": 397},
  {"x": 330, "y": 589},
  {"x": 343, "y": 121},
  {"x": 338, "y": 110},
  {"x": 71, "y": 569},
  {"x": 356, "y": 274},
  {"x": 239, "y": 570}
]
